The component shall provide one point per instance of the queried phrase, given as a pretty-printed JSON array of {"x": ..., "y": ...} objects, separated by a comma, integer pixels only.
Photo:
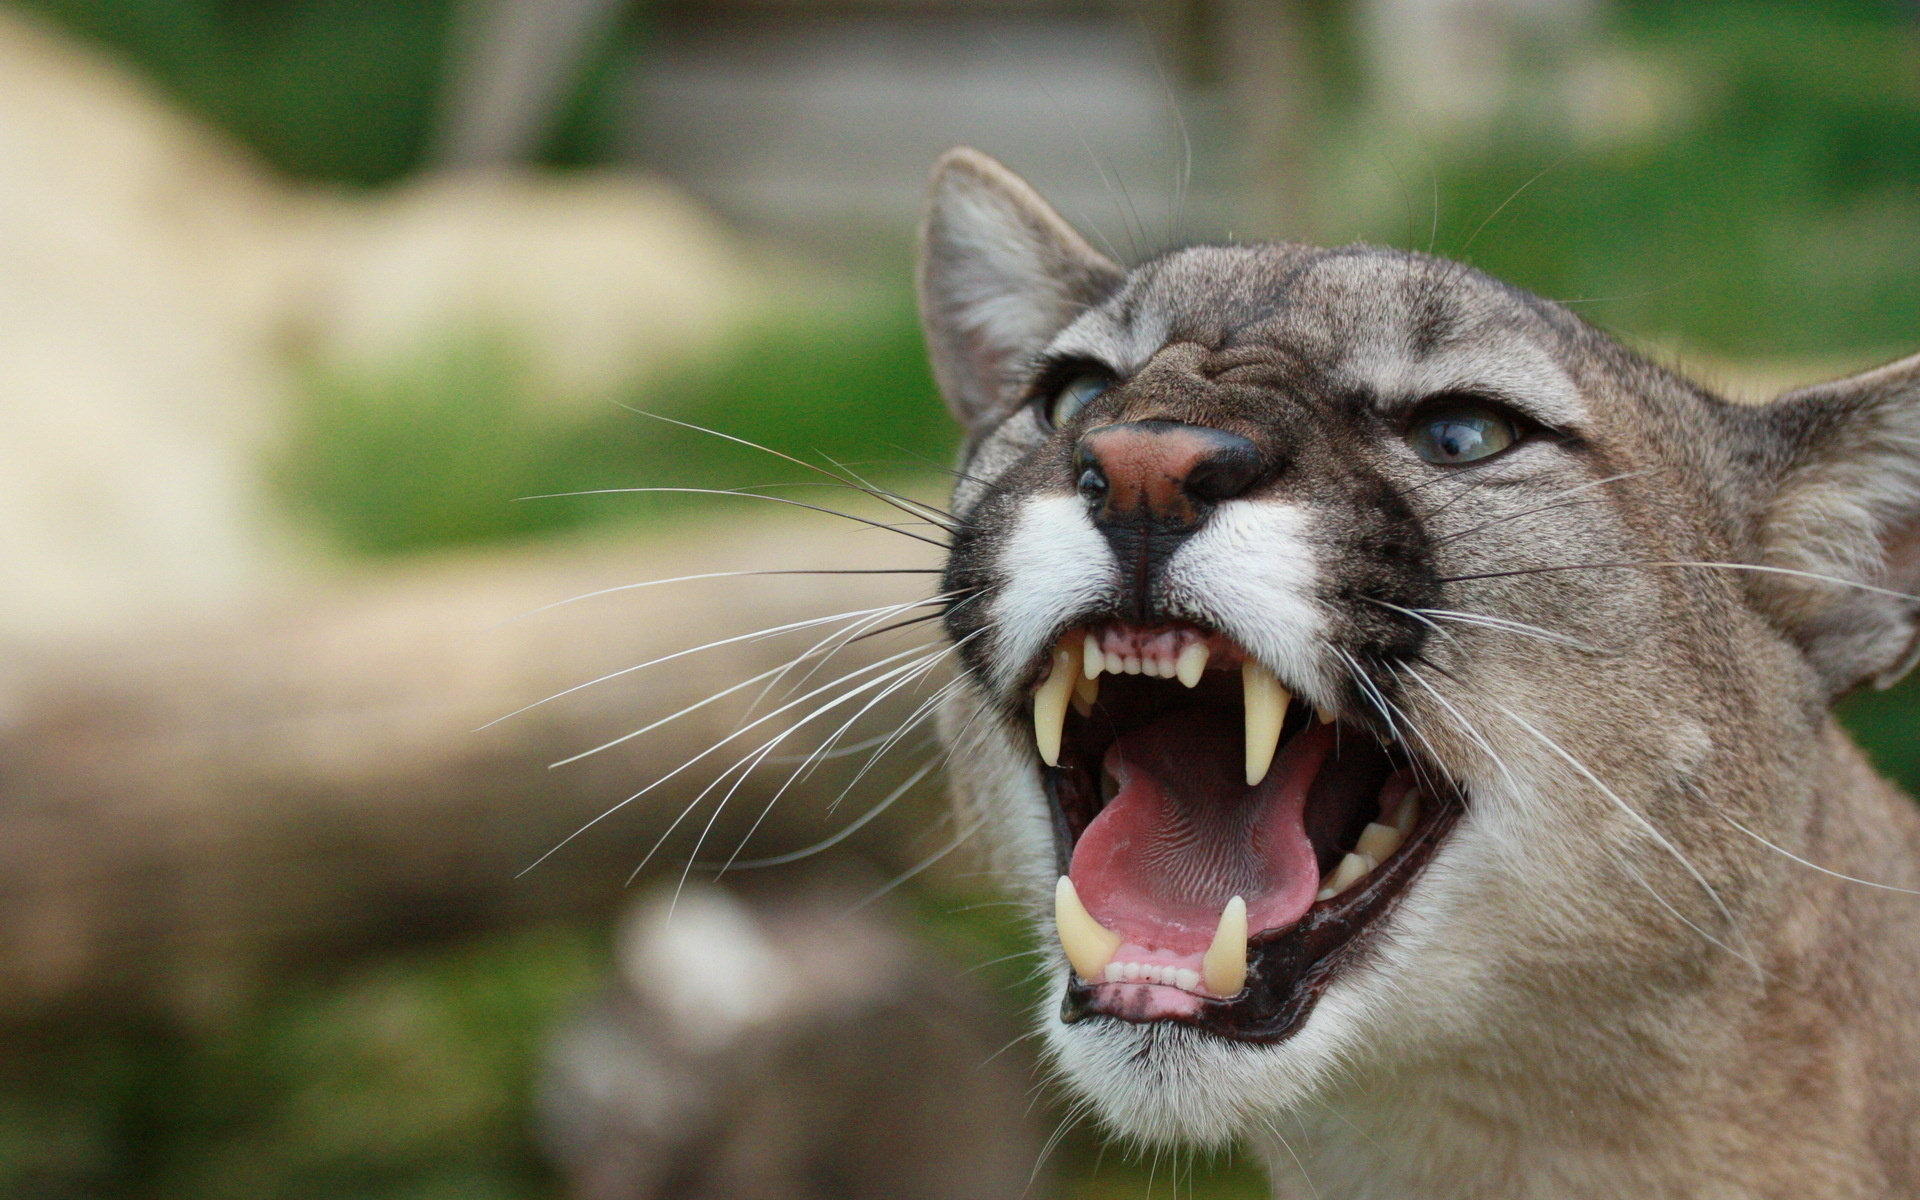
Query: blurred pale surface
[{"x": 160, "y": 293}]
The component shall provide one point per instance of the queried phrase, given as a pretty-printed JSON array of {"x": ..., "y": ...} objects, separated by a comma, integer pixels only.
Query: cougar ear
[
  {"x": 1000, "y": 273},
  {"x": 1845, "y": 504}
]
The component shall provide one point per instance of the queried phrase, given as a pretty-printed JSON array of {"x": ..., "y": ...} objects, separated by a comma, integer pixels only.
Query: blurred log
[{"x": 181, "y": 812}]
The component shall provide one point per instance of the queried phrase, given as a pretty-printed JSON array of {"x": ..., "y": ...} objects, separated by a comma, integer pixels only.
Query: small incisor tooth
[
  {"x": 1085, "y": 692},
  {"x": 1090, "y": 946},
  {"x": 1192, "y": 663},
  {"x": 1224, "y": 967},
  {"x": 1352, "y": 869},
  {"x": 1092, "y": 659},
  {"x": 1266, "y": 703},
  {"x": 1378, "y": 841},
  {"x": 1050, "y": 703}
]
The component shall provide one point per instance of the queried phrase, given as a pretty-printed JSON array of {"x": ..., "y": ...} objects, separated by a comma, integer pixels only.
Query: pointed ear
[
  {"x": 1845, "y": 503},
  {"x": 1000, "y": 273}
]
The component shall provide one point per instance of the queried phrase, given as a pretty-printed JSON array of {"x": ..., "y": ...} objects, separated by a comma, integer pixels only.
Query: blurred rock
[
  {"x": 598, "y": 281},
  {"x": 160, "y": 294},
  {"x": 779, "y": 1046}
]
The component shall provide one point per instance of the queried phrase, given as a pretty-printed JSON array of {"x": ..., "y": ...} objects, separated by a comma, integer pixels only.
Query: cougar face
[{"x": 1408, "y": 708}]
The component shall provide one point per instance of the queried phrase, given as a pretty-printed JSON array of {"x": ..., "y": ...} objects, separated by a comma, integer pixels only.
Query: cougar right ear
[{"x": 1000, "y": 273}]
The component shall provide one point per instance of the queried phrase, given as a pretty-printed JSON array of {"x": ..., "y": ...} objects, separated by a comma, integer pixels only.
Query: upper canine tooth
[
  {"x": 1192, "y": 663},
  {"x": 1050, "y": 704},
  {"x": 1266, "y": 710},
  {"x": 1224, "y": 967},
  {"x": 1090, "y": 946}
]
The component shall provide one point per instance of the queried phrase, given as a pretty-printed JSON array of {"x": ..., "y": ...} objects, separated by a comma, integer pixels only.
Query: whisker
[
  {"x": 630, "y": 587},
  {"x": 884, "y": 497},
  {"x": 827, "y": 843},
  {"x": 700, "y": 491},
  {"x": 1885, "y": 887},
  {"x": 774, "y": 631},
  {"x": 1647, "y": 826},
  {"x": 1728, "y": 566},
  {"x": 709, "y": 750},
  {"x": 1545, "y": 507},
  {"x": 850, "y": 694},
  {"x": 959, "y": 839}
]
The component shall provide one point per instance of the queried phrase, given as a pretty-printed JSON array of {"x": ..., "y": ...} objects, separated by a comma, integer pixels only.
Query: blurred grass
[
  {"x": 450, "y": 449},
  {"x": 406, "y": 1079}
]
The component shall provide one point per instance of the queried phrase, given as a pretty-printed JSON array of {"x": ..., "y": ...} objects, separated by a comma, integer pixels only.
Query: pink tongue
[{"x": 1185, "y": 834}]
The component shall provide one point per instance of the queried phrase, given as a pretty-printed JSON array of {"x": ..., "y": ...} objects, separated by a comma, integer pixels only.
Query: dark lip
[{"x": 1289, "y": 969}]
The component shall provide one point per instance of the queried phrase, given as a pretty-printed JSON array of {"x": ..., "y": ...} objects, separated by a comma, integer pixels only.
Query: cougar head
[{"x": 1371, "y": 670}]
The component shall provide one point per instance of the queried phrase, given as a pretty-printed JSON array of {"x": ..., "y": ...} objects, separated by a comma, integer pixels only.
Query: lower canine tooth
[
  {"x": 1089, "y": 945},
  {"x": 1266, "y": 703},
  {"x": 1352, "y": 869},
  {"x": 1224, "y": 968},
  {"x": 1050, "y": 703}
]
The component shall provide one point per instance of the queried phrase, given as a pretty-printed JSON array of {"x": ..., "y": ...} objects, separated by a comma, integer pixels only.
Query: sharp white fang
[
  {"x": 1085, "y": 692},
  {"x": 1192, "y": 663},
  {"x": 1407, "y": 813},
  {"x": 1089, "y": 945},
  {"x": 1050, "y": 704},
  {"x": 1352, "y": 869},
  {"x": 1092, "y": 661},
  {"x": 1224, "y": 968},
  {"x": 1378, "y": 841},
  {"x": 1266, "y": 703}
]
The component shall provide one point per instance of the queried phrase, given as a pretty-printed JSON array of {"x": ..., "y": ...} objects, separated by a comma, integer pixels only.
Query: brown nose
[{"x": 1162, "y": 473}]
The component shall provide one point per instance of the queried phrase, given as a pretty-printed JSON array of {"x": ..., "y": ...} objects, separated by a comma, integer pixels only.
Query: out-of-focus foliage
[
  {"x": 328, "y": 89},
  {"x": 1766, "y": 205},
  {"x": 404, "y": 1079},
  {"x": 456, "y": 450}
]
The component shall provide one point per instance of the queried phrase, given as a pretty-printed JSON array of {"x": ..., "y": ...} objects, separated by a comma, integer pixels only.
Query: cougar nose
[{"x": 1162, "y": 475}]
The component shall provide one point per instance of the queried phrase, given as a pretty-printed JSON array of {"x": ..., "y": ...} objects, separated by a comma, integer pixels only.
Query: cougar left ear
[
  {"x": 1845, "y": 505},
  {"x": 1000, "y": 273}
]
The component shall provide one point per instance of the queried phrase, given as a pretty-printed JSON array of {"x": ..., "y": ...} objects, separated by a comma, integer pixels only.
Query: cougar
[{"x": 1408, "y": 713}]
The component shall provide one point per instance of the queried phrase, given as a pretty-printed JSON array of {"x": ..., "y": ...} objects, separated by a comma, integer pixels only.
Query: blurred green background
[{"x": 1762, "y": 212}]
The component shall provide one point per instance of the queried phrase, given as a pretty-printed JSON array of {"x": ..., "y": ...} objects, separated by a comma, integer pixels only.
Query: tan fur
[{"x": 1666, "y": 952}]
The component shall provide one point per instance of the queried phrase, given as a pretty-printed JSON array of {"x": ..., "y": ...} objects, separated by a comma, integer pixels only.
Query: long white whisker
[
  {"x": 775, "y": 631},
  {"x": 959, "y": 839},
  {"x": 1653, "y": 833},
  {"x": 747, "y": 763},
  {"x": 788, "y": 501},
  {"x": 1507, "y": 626},
  {"x": 827, "y": 843},
  {"x": 709, "y": 750},
  {"x": 649, "y": 583},
  {"x": 1885, "y": 887}
]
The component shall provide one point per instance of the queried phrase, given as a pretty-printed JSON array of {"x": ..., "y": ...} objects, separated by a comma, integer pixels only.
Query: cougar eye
[
  {"x": 1074, "y": 395},
  {"x": 1461, "y": 431}
]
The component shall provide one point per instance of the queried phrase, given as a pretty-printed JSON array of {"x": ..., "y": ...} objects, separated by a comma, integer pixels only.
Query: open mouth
[{"x": 1225, "y": 849}]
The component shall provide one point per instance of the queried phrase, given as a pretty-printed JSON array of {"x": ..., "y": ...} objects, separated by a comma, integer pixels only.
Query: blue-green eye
[
  {"x": 1074, "y": 395},
  {"x": 1460, "y": 431}
]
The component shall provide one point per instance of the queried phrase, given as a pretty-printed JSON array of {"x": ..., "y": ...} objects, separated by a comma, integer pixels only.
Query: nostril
[
  {"x": 1232, "y": 467},
  {"x": 1092, "y": 485}
]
